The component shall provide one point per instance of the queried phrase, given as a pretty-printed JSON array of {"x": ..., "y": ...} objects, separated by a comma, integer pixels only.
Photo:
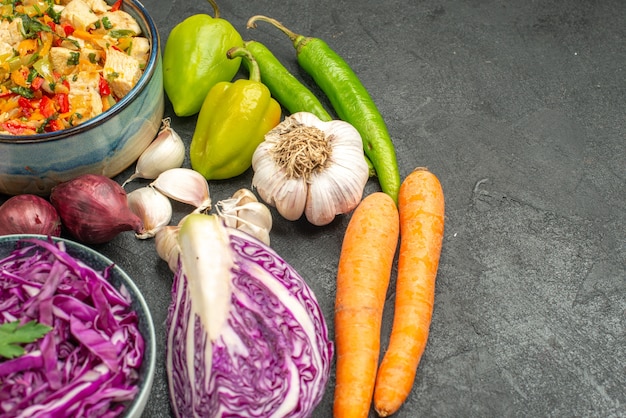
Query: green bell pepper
[
  {"x": 194, "y": 59},
  {"x": 232, "y": 122}
]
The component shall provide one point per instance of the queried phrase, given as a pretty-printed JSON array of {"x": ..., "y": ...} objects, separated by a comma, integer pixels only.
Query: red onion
[
  {"x": 94, "y": 209},
  {"x": 29, "y": 214}
]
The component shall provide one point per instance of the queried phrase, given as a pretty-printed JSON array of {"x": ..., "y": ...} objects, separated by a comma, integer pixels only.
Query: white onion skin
[{"x": 29, "y": 214}]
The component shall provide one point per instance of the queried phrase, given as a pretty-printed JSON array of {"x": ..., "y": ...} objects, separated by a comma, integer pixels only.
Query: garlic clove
[
  {"x": 227, "y": 210},
  {"x": 166, "y": 243},
  {"x": 244, "y": 212},
  {"x": 234, "y": 213},
  {"x": 244, "y": 196},
  {"x": 336, "y": 192},
  {"x": 166, "y": 151},
  {"x": 321, "y": 207},
  {"x": 339, "y": 189},
  {"x": 227, "y": 206},
  {"x": 152, "y": 207},
  {"x": 185, "y": 185},
  {"x": 288, "y": 196},
  {"x": 255, "y": 231},
  {"x": 255, "y": 213},
  {"x": 239, "y": 198}
]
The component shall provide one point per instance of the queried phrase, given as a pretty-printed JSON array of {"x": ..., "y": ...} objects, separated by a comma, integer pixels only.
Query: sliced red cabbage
[
  {"x": 269, "y": 356},
  {"x": 88, "y": 365}
]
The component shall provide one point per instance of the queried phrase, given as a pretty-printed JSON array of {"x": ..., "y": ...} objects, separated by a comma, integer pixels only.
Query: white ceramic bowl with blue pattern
[{"x": 107, "y": 144}]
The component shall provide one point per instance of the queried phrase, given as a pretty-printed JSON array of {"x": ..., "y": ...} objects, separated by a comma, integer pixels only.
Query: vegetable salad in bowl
[
  {"x": 62, "y": 64},
  {"x": 61, "y": 133}
]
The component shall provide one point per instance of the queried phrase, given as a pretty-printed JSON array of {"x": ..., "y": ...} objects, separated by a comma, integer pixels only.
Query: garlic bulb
[
  {"x": 165, "y": 152},
  {"x": 185, "y": 185},
  {"x": 243, "y": 211},
  {"x": 309, "y": 166},
  {"x": 152, "y": 207}
]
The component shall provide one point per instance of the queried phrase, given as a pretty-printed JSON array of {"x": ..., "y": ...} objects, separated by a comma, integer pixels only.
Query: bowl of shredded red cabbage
[{"x": 76, "y": 335}]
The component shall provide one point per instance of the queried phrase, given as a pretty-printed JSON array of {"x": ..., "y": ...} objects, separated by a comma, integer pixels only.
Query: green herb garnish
[
  {"x": 12, "y": 335},
  {"x": 121, "y": 33},
  {"x": 73, "y": 58},
  {"x": 54, "y": 15},
  {"x": 72, "y": 41},
  {"x": 106, "y": 23},
  {"x": 31, "y": 75},
  {"x": 32, "y": 27},
  {"x": 23, "y": 91}
]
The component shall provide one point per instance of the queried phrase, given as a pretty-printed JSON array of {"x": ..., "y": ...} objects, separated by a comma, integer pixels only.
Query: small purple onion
[
  {"x": 29, "y": 214},
  {"x": 94, "y": 209}
]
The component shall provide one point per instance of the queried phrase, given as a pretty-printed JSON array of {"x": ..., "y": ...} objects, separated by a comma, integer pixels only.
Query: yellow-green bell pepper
[
  {"x": 194, "y": 59},
  {"x": 233, "y": 121}
]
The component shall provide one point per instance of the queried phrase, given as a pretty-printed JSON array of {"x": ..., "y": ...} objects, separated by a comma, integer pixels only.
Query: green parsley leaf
[
  {"x": 73, "y": 41},
  {"x": 106, "y": 23},
  {"x": 32, "y": 27},
  {"x": 23, "y": 91},
  {"x": 31, "y": 75},
  {"x": 44, "y": 124},
  {"x": 12, "y": 334},
  {"x": 121, "y": 33},
  {"x": 73, "y": 58},
  {"x": 56, "y": 16}
]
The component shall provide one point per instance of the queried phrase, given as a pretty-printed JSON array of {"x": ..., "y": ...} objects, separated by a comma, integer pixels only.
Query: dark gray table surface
[{"x": 519, "y": 108}]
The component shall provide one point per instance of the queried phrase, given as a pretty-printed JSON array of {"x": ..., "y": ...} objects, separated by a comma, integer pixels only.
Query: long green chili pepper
[
  {"x": 287, "y": 89},
  {"x": 350, "y": 99}
]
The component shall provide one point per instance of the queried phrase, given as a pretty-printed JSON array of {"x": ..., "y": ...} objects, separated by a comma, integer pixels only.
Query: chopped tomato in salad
[{"x": 64, "y": 62}]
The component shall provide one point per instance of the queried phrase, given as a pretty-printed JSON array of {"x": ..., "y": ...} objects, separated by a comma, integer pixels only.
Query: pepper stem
[
  {"x": 216, "y": 10},
  {"x": 295, "y": 38},
  {"x": 253, "y": 66}
]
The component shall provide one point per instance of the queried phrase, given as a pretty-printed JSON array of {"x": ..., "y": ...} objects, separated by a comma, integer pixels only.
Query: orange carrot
[
  {"x": 365, "y": 263},
  {"x": 421, "y": 208}
]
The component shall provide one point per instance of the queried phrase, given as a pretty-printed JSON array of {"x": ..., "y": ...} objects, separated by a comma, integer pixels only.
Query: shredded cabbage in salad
[{"x": 88, "y": 365}]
